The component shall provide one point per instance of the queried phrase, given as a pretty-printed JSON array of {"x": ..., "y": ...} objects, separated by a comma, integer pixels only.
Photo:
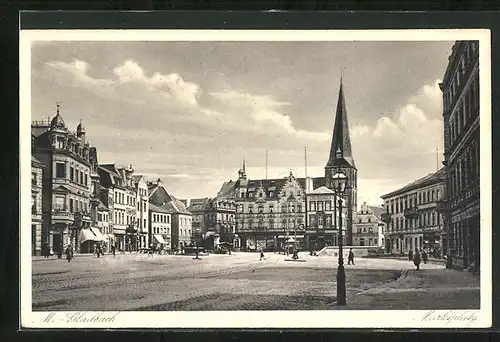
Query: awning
[
  {"x": 98, "y": 233},
  {"x": 159, "y": 238},
  {"x": 87, "y": 235}
]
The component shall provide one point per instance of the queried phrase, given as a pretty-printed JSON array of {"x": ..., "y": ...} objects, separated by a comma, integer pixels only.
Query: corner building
[
  {"x": 412, "y": 217},
  {"x": 460, "y": 205},
  {"x": 66, "y": 181}
]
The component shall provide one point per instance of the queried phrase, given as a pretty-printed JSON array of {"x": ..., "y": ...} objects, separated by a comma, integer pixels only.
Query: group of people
[{"x": 418, "y": 257}]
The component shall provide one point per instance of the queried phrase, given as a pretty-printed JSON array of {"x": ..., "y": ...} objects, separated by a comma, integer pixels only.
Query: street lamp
[
  {"x": 339, "y": 181},
  {"x": 197, "y": 243}
]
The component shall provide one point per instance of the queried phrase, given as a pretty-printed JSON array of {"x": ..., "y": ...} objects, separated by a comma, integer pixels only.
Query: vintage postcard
[{"x": 255, "y": 179}]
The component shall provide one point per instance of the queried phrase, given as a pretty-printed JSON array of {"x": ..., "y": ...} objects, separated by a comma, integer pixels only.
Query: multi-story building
[
  {"x": 460, "y": 205},
  {"x": 268, "y": 211},
  {"x": 160, "y": 226},
  {"x": 182, "y": 229},
  {"x": 66, "y": 182},
  {"x": 141, "y": 189},
  {"x": 120, "y": 185},
  {"x": 322, "y": 219},
  {"x": 412, "y": 219},
  {"x": 214, "y": 217},
  {"x": 368, "y": 229},
  {"x": 36, "y": 206}
]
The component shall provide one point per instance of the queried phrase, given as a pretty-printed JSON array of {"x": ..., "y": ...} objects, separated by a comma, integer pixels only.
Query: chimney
[{"x": 158, "y": 182}]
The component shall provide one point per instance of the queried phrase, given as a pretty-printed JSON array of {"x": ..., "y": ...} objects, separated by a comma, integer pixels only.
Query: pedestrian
[
  {"x": 113, "y": 250},
  {"x": 410, "y": 255},
  {"x": 262, "y": 255},
  {"x": 416, "y": 260},
  {"x": 424, "y": 256},
  {"x": 69, "y": 253},
  {"x": 350, "y": 257}
]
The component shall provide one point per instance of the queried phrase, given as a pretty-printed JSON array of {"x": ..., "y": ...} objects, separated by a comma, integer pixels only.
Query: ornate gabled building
[
  {"x": 66, "y": 182},
  {"x": 460, "y": 206},
  {"x": 270, "y": 211},
  {"x": 121, "y": 192},
  {"x": 182, "y": 229},
  {"x": 368, "y": 229}
]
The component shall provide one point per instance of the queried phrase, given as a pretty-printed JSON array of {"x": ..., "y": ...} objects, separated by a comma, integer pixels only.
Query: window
[
  {"x": 71, "y": 205},
  {"x": 312, "y": 219},
  {"x": 328, "y": 205},
  {"x": 60, "y": 170},
  {"x": 328, "y": 220},
  {"x": 33, "y": 204},
  {"x": 33, "y": 178},
  {"x": 312, "y": 206},
  {"x": 369, "y": 220},
  {"x": 359, "y": 221},
  {"x": 320, "y": 206},
  {"x": 59, "y": 203}
]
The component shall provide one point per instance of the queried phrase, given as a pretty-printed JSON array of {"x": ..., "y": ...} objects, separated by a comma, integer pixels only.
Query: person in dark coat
[
  {"x": 69, "y": 253},
  {"x": 416, "y": 260},
  {"x": 424, "y": 257},
  {"x": 113, "y": 250},
  {"x": 262, "y": 255},
  {"x": 410, "y": 255},
  {"x": 350, "y": 257}
]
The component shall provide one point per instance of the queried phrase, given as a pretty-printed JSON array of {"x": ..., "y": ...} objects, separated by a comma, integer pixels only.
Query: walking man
[
  {"x": 350, "y": 258},
  {"x": 416, "y": 260},
  {"x": 410, "y": 255},
  {"x": 69, "y": 253},
  {"x": 262, "y": 255},
  {"x": 113, "y": 250}
]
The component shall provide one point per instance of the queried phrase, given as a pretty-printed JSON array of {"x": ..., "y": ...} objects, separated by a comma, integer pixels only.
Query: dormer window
[{"x": 338, "y": 153}]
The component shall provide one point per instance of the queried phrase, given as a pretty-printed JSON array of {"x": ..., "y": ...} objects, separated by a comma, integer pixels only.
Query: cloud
[
  {"x": 130, "y": 84},
  {"x": 402, "y": 145}
]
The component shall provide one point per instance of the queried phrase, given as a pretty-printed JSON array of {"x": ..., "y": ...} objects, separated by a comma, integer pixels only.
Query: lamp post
[
  {"x": 339, "y": 181},
  {"x": 197, "y": 243}
]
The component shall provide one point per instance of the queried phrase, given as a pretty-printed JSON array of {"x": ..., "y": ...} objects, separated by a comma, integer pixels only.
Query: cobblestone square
[{"x": 242, "y": 282}]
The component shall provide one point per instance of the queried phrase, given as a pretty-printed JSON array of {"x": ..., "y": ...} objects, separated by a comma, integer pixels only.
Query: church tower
[{"x": 341, "y": 159}]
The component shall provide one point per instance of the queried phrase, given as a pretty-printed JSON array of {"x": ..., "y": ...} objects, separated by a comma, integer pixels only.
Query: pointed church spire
[{"x": 341, "y": 140}]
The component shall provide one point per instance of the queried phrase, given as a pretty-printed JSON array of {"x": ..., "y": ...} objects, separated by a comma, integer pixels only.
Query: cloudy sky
[{"x": 189, "y": 112}]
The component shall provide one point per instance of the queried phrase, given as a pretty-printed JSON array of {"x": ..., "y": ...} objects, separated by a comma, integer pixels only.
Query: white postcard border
[{"x": 258, "y": 319}]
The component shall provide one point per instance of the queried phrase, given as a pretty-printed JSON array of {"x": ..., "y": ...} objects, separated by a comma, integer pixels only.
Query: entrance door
[{"x": 56, "y": 242}]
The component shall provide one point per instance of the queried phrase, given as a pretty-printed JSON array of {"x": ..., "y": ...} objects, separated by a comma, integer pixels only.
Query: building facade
[
  {"x": 182, "y": 229},
  {"x": 66, "y": 183},
  {"x": 412, "y": 217},
  {"x": 322, "y": 219},
  {"x": 160, "y": 227},
  {"x": 368, "y": 229},
  {"x": 36, "y": 206},
  {"x": 460, "y": 205},
  {"x": 142, "y": 214},
  {"x": 120, "y": 185}
]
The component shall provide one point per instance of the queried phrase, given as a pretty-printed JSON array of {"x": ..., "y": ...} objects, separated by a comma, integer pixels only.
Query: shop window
[{"x": 60, "y": 170}]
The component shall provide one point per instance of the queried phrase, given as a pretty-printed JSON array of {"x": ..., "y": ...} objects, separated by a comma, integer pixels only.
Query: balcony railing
[{"x": 411, "y": 212}]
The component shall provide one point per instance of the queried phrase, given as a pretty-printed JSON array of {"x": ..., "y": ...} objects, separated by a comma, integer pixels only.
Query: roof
[
  {"x": 429, "y": 179},
  {"x": 377, "y": 211},
  {"x": 176, "y": 207},
  {"x": 341, "y": 139},
  {"x": 228, "y": 189},
  {"x": 322, "y": 190},
  {"x": 198, "y": 204},
  {"x": 158, "y": 209},
  {"x": 36, "y": 162},
  {"x": 137, "y": 178}
]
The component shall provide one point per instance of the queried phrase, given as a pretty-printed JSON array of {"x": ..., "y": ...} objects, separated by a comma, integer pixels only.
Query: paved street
[{"x": 241, "y": 282}]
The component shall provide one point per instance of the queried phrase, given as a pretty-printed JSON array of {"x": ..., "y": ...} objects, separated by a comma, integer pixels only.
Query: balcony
[
  {"x": 62, "y": 215},
  {"x": 411, "y": 212}
]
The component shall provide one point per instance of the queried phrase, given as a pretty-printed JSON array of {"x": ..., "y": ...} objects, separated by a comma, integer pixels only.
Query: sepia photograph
[{"x": 266, "y": 179}]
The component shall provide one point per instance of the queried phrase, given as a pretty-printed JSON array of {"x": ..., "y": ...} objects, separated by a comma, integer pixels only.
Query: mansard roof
[{"x": 228, "y": 189}]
